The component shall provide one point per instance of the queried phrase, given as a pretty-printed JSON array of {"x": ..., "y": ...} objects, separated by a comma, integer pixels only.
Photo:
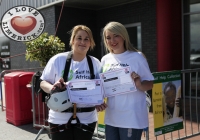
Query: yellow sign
[
  {"x": 101, "y": 125},
  {"x": 157, "y": 105},
  {"x": 166, "y": 102}
]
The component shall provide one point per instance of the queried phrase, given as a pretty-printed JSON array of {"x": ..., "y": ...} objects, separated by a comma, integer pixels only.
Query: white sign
[
  {"x": 22, "y": 23},
  {"x": 4, "y": 47},
  {"x": 117, "y": 82},
  {"x": 85, "y": 91}
]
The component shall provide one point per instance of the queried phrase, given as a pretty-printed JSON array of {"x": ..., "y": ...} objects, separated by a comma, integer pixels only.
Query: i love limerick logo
[{"x": 22, "y": 23}]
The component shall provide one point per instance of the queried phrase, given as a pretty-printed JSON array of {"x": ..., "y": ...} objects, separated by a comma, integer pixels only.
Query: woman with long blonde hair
[{"x": 126, "y": 114}]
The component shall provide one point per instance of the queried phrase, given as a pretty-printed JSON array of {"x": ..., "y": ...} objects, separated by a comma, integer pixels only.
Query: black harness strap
[
  {"x": 68, "y": 62},
  {"x": 65, "y": 75},
  {"x": 67, "y": 66},
  {"x": 88, "y": 109},
  {"x": 80, "y": 110},
  {"x": 57, "y": 128},
  {"x": 89, "y": 60},
  {"x": 78, "y": 125}
]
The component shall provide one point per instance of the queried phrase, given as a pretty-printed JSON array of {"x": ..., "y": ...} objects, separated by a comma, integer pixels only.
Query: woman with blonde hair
[
  {"x": 126, "y": 114},
  {"x": 61, "y": 125}
]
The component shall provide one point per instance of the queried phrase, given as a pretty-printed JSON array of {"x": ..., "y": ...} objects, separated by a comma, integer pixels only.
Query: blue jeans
[{"x": 117, "y": 133}]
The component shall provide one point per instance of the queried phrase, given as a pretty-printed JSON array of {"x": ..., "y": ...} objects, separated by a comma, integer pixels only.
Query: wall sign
[
  {"x": 166, "y": 93},
  {"x": 22, "y": 23},
  {"x": 5, "y": 54}
]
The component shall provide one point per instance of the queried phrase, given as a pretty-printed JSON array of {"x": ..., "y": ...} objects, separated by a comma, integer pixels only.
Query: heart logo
[{"x": 23, "y": 25}]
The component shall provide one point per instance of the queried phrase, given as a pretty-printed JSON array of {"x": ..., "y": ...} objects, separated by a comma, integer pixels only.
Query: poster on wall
[
  {"x": 166, "y": 96},
  {"x": 4, "y": 52}
]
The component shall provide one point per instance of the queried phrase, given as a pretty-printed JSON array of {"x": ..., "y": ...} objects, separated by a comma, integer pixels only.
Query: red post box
[{"x": 18, "y": 98}]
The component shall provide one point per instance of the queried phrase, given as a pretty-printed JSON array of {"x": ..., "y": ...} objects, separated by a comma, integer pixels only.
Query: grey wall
[
  {"x": 71, "y": 17},
  {"x": 142, "y": 11}
]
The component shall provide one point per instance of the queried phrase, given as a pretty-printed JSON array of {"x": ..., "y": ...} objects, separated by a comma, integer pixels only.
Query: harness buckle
[
  {"x": 80, "y": 125},
  {"x": 71, "y": 109},
  {"x": 78, "y": 109},
  {"x": 67, "y": 126}
]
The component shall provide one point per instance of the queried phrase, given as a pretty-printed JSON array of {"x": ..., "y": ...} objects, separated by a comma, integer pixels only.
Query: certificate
[
  {"x": 85, "y": 91},
  {"x": 117, "y": 82}
]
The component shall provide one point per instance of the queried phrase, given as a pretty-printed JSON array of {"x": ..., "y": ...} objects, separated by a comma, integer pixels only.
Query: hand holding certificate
[
  {"x": 85, "y": 91},
  {"x": 117, "y": 82}
]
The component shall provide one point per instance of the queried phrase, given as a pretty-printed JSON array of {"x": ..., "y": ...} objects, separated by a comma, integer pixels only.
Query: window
[
  {"x": 191, "y": 33},
  {"x": 191, "y": 6},
  {"x": 191, "y": 44},
  {"x": 134, "y": 31}
]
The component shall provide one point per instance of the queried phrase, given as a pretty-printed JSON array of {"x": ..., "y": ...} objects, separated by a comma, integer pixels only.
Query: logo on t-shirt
[
  {"x": 82, "y": 74},
  {"x": 109, "y": 67},
  {"x": 105, "y": 67},
  {"x": 70, "y": 75}
]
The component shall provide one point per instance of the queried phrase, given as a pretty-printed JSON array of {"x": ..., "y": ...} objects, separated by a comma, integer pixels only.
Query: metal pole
[
  {"x": 147, "y": 133},
  {"x": 33, "y": 99},
  {"x": 39, "y": 133}
]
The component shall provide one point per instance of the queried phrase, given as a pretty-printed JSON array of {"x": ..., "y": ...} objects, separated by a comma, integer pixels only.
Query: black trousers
[{"x": 73, "y": 133}]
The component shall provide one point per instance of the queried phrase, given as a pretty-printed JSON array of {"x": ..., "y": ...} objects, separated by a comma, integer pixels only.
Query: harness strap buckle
[
  {"x": 85, "y": 127},
  {"x": 67, "y": 126},
  {"x": 70, "y": 109},
  {"x": 78, "y": 110}
]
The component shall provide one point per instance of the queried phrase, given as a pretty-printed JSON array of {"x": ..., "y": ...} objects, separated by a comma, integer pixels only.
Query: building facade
[{"x": 165, "y": 31}]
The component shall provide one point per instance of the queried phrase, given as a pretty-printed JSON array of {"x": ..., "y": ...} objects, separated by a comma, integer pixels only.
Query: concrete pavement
[
  {"x": 28, "y": 132},
  {"x": 23, "y": 132}
]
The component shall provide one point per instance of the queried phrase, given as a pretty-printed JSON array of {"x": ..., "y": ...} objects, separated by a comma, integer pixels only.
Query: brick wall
[
  {"x": 142, "y": 11},
  {"x": 74, "y": 16}
]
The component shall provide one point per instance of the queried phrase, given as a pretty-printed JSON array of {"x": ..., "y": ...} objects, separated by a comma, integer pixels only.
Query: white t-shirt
[
  {"x": 54, "y": 70},
  {"x": 127, "y": 110}
]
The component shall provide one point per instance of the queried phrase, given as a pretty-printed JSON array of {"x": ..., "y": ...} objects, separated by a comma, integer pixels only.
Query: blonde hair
[
  {"x": 77, "y": 28},
  {"x": 118, "y": 29}
]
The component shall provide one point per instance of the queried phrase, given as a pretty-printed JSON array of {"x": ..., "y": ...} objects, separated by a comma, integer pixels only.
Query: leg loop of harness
[
  {"x": 73, "y": 122},
  {"x": 59, "y": 128},
  {"x": 85, "y": 127}
]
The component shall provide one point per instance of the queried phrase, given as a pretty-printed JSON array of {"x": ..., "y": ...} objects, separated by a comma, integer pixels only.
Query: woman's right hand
[{"x": 60, "y": 84}]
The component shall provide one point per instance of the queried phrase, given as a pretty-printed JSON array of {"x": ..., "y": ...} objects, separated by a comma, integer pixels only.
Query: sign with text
[
  {"x": 22, "y": 23},
  {"x": 5, "y": 54},
  {"x": 165, "y": 93}
]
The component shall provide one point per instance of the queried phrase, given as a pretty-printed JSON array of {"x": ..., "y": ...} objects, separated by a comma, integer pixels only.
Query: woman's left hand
[
  {"x": 101, "y": 107},
  {"x": 136, "y": 79},
  {"x": 144, "y": 85}
]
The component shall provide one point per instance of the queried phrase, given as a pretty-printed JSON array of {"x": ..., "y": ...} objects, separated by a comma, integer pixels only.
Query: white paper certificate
[
  {"x": 117, "y": 82},
  {"x": 85, "y": 91}
]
